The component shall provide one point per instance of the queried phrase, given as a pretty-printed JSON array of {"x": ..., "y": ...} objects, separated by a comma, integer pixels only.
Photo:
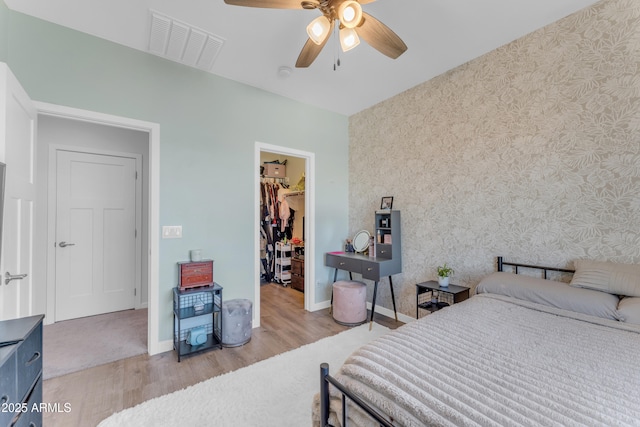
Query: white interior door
[
  {"x": 95, "y": 234},
  {"x": 17, "y": 143}
]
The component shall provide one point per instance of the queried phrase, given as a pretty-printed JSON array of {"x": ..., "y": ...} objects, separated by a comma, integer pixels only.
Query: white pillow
[
  {"x": 551, "y": 293},
  {"x": 629, "y": 310},
  {"x": 611, "y": 277}
]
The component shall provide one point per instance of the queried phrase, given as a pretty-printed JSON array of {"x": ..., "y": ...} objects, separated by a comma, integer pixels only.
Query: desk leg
[
  {"x": 373, "y": 304},
  {"x": 335, "y": 277},
  {"x": 393, "y": 298}
]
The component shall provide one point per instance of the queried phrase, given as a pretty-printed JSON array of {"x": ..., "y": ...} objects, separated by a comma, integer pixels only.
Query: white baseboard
[
  {"x": 389, "y": 313},
  {"x": 168, "y": 344},
  {"x": 380, "y": 310},
  {"x": 164, "y": 346},
  {"x": 321, "y": 305}
]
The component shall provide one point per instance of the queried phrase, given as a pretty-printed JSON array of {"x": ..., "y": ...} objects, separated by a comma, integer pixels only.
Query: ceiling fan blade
[
  {"x": 310, "y": 50},
  {"x": 274, "y": 4},
  {"x": 380, "y": 37}
]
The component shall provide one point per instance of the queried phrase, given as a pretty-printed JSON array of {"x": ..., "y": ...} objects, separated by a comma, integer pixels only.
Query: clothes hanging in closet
[{"x": 276, "y": 220}]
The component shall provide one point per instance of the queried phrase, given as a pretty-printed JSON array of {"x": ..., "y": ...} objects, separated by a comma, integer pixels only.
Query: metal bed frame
[
  {"x": 326, "y": 379},
  {"x": 515, "y": 266}
]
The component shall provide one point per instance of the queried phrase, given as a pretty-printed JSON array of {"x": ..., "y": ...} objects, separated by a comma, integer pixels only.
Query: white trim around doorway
[
  {"x": 309, "y": 232},
  {"x": 153, "y": 129}
]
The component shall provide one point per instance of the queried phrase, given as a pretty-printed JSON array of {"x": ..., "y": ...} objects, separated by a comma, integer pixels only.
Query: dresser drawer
[
  {"x": 297, "y": 267},
  {"x": 21, "y": 369},
  {"x": 29, "y": 357},
  {"x": 370, "y": 270},
  {"x": 344, "y": 263},
  {"x": 8, "y": 392},
  {"x": 31, "y": 418},
  {"x": 297, "y": 282}
]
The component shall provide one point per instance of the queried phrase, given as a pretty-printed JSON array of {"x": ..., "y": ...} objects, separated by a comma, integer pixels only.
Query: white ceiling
[{"x": 440, "y": 35}]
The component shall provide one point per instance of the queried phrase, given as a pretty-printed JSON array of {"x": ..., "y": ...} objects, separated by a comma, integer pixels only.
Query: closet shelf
[{"x": 294, "y": 193}]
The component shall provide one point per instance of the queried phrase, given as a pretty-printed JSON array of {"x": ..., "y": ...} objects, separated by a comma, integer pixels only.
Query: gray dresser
[{"x": 21, "y": 372}]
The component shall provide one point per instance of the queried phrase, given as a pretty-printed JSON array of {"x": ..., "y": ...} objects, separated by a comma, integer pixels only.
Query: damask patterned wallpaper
[{"x": 531, "y": 151}]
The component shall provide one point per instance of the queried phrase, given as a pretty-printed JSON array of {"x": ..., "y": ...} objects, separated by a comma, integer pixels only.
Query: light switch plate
[{"x": 171, "y": 231}]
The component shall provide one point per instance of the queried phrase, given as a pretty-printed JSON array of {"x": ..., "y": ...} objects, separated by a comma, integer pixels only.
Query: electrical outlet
[{"x": 171, "y": 231}]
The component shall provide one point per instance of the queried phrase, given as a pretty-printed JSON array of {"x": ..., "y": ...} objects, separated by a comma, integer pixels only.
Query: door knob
[
  {"x": 65, "y": 244},
  {"x": 9, "y": 277}
]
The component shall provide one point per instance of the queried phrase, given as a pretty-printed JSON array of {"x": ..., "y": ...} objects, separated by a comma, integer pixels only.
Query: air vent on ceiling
[{"x": 183, "y": 43}]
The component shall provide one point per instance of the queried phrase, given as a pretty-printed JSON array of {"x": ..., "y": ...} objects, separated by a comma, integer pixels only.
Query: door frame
[
  {"x": 310, "y": 221},
  {"x": 52, "y": 191},
  {"x": 153, "y": 129}
]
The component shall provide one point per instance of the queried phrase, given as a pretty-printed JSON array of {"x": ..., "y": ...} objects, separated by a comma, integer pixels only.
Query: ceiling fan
[{"x": 353, "y": 23}]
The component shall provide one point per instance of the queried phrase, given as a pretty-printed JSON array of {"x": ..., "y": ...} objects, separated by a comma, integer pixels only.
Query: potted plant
[{"x": 444, "y": 272}]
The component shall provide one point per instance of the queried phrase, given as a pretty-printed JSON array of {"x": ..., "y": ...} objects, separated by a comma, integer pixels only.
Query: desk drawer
[
  {"x": 370, "y": 270},
  {"x": 344, "y": 263},
  {"x": 383, "y": 251}
]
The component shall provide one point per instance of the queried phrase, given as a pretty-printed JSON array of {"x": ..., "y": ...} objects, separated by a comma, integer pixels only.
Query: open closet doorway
[{"x": 284, "y": 224}]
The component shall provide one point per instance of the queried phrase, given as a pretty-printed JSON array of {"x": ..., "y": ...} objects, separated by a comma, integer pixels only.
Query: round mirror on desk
[{"x": 361, "y": 241}]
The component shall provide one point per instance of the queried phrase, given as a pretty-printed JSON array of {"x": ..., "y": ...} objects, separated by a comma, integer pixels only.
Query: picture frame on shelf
[{"x": 386, "y": 203}]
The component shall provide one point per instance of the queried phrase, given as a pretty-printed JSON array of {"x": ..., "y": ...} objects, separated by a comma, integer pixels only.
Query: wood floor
[{"x": 94, "y": 394}]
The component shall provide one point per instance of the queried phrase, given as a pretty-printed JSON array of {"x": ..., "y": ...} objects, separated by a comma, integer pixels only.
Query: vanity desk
[{"x": 388, "y": 259}]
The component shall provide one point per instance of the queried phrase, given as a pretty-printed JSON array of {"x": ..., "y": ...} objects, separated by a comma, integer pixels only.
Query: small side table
[
  {"x": 446, "y": 296},
  {"x": 197, "y": 320}
]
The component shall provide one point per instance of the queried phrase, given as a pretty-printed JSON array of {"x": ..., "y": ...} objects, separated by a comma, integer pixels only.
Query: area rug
[
  {"x": 74, "y": 345},
  {"x": 274, "y": 392}
]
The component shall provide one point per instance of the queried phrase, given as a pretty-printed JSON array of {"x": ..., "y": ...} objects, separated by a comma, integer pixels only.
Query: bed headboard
[{"x": 515, "y": 266}]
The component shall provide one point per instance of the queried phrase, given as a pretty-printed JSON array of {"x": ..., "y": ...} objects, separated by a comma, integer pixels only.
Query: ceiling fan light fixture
[
  {"x": 350, "y": 13},
  {"x": 348, "y": 39},
  {"x": 318, "y": 29}
]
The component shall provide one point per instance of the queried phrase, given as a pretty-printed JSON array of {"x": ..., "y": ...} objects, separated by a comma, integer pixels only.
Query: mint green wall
[
  {"x": 208, "y": 128},
  {"x": 4, "y": 13}
]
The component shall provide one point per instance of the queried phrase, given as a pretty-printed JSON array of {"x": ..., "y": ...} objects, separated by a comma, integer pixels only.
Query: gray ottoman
[{"x": 236, "y": 322}]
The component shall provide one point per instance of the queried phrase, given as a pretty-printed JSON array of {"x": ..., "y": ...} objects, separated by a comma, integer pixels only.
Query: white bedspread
[{"x": 495, "y": 361}]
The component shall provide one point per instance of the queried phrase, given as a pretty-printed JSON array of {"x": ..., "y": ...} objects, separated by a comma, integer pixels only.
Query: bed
[{"x": 522, "y": 351}]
